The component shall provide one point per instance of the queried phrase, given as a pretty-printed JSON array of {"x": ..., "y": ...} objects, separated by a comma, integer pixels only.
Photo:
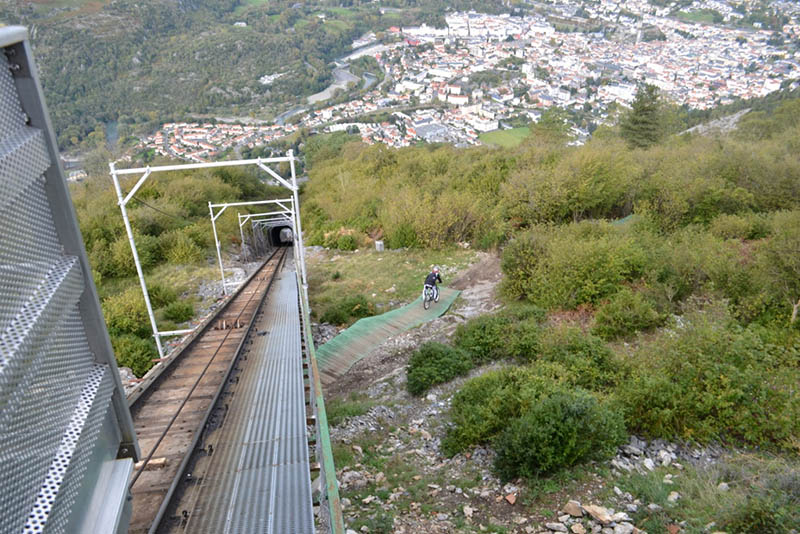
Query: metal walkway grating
[{"x": 258, "y": 480}]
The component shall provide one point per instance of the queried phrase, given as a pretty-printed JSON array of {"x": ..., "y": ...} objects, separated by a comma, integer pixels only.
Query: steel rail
[
  {"x": 189, "y": 394},
  {"x": 152, "y": 377},
  {"x": 196, "y": 438}
]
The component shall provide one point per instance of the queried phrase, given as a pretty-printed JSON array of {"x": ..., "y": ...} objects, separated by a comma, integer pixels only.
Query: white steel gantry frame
[
  {"x": 261, "y": 163},
  {"x": 288, "y": 214},
  {"x": 280, "y": 217}
]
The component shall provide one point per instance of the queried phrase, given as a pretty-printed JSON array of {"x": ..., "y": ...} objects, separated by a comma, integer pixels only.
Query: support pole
[
  {"x": 298, "y": 227},
  {"x": 216, "y": 242},
  {"x": 129, "y": 230},
  {"x": 241, "y": 233}
]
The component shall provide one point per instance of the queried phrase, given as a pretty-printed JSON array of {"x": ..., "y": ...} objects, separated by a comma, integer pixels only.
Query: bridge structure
[{"x": 226, "y": 433}]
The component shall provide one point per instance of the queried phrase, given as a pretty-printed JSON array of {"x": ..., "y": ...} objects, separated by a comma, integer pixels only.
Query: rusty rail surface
[{"x": 170, "y": 416}]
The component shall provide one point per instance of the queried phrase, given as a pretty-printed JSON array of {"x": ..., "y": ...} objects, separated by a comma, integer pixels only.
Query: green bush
[
  {"x": 435, "y": 363},
  {"x": 179, "y": 312},
  {"x": 708, "y": 381},
  {"x": 402, "y": 236},
  {"x": 558, "y": 431},
  {"x": 346, "y": 242},
  {"x": 758, "y": 514},
  {"x": 744, "y": 226},
  {"x": 510, "y": 333},
  {"x": 147, "y": 248},
  {"x": 624, "y": 314},
  {"x": 134, "y": 352},
  {"x": 568, "y": 266},
  {"x": 484, "y": 405},
  {"x": 126, "y": 313},
  {"x": 161, "y": 296},
  {"x": 590, "y": 362},
  {"x": 484, "y": 337},
  {"x": 523, "y": 340},
  {"x": 347, "y": 308},
  {"x": 178, "y": 247}
]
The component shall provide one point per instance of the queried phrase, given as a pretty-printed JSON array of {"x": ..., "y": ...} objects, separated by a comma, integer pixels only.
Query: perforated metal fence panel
[{"x": 67, "y": 443}]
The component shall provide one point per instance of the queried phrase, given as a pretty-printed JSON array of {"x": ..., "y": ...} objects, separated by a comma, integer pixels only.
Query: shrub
[
  {"x": 709, "y": 381},
  {"x": 559, "y": 431},
  {"x": 510, "y": 333},
  {"x": 126, "y": 313},
  {"x": 745, "y": 226},
  {"x": 346, "y": 242},
  {"x": 484, "y": 337},
  {"x": 161, "y": 295},
  {"x": 179, "y": 248},
  {"x": 591, "y": 363},
  {"x": 435, "y": 363},
  {"x": 523, "y": 340},
  {"x": 179, "y": 312},
  {"x": 569, "y": 266},
  {"x": 484, "y": 405},
  {"x": 402, "y": 236},
  {"x": 347, "y": 308},
  {"x": 624, "y": 314},
  {"x": 134, "y": 352},
  {"x": 147, "y": 249},
  {"x": 759, "y": 514}
]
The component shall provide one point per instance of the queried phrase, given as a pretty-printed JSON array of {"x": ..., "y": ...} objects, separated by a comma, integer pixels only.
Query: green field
[
  {"x": 705, "y": 16},
  {"x": 505, "y": 138}
]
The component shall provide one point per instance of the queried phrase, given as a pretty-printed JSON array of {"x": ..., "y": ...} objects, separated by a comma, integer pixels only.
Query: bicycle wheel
[{"x": 426, "y": 302}]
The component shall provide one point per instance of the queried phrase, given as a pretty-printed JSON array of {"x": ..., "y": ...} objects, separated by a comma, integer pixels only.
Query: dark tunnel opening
[{"x": 281, "y": 236}]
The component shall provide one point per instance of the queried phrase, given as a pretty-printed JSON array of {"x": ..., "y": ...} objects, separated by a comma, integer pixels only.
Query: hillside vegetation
[
  {"x": 175, "y": 243},
  {"x": 649, "y": 290},
  {"x": 145, "y": 62}
]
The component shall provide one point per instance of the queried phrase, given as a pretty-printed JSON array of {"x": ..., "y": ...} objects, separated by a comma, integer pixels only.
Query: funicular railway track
[{"x": 170, "y": 414}]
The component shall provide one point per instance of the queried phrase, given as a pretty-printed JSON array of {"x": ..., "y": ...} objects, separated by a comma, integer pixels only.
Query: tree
[{"x": 641, "y": 127}]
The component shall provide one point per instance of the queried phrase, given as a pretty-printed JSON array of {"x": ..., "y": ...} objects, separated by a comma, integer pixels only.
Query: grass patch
[
  {"x": 505, "y": 138},
  {"x": 339, "y": 410},
  {"x": 370, "y": 273},
  {"x": 761, "y": 494}
]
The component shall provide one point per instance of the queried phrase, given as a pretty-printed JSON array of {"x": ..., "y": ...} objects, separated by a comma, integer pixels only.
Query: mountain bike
[{"x": 429, "y": 294}]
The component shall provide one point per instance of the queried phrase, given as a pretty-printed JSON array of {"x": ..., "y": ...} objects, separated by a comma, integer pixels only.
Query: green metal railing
[{"x": 330, "y": 486}]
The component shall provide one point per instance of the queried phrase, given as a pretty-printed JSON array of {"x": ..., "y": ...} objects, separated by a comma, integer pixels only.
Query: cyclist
[{"x": 430, "y": 281}]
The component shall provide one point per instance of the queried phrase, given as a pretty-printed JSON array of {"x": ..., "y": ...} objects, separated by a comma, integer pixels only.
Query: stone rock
[
  {"x": 632, "y": 508},
  {"x": 620, "y": 516},
  {"x": 664, "y": 457},
  {"x": 577, "y": 528},
  {"x": 353, "y": 479},
  {"x": 599, "y": 513},
  {"x": 623, "y": 528},
  {"x": 617, "y": 491},
  {"x": 573, "y": 508},
  {"x": 673, "y": 529},
  {"x": 556, "y": 527},
  {"x": 520, "y": 520},
  {"x": 511, "y": 498},
  {"x": 648, "y": 463},
  {"x": 351, "y": 531},
  {"x": 468, "y": 511},
  {"x": 369, "y": 499},
  {"x": 442, "y": 517},
  {"x": 358, "y": 450},
  {"x": 723, "y": 487},
  {"x": 425, "y": 435},
  {"x": 673, "y": 496},
  {"x": 563, "y": 518},
  {"x": 653, "y": 507}
]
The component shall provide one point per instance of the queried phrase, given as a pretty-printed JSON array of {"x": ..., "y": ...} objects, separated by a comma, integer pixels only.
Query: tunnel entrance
[{"x": 281, "y": 236}]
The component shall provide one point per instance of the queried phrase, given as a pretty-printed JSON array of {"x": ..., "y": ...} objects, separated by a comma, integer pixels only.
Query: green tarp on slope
[{"x": 339, "y": 354}]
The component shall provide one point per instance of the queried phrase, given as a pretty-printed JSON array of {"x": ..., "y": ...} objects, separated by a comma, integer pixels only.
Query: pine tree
[{"x": 642, "y": 127}]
